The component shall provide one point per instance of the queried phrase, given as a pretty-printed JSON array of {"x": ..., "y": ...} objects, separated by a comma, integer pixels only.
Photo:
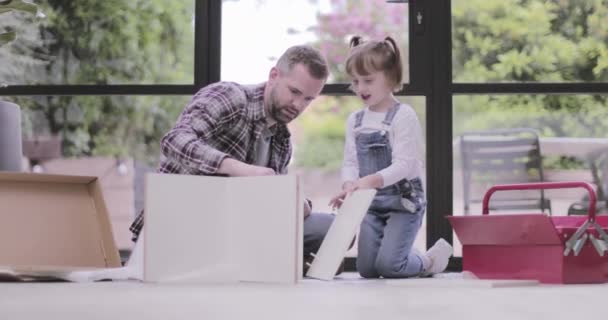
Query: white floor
[{"x": 345, "y": 298}]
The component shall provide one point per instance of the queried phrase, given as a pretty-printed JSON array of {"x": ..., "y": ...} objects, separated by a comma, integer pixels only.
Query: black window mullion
[
  {"x": 439, "y": 122},
  {"x": 341, "y": 89},
  {"x": 419, "y": 47},
  {"x": 207, "y": 44},
  {"x": 213, "y": 52},
  {"x": 96, "y": 90},
  {"x": 530, "y": 87}
]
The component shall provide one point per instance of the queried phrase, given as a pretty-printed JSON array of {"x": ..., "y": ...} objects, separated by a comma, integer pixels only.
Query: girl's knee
[
  {"x": 368, "y": 273},
  {"x": 367, "y": 270},
  {"x": 386, "y": 268},
  {"x": 391, "y": 268}
]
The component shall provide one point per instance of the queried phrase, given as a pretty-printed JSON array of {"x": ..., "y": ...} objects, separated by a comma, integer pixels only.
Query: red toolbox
[{"x": 565, "y": 249}]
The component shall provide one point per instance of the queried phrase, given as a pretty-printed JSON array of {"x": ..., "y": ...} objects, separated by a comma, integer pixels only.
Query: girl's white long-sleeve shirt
[{"x": 405, "y": 136}]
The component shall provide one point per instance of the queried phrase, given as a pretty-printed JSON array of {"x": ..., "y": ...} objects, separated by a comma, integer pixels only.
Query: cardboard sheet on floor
[
  {"x": 201, "y": 229},
  {"x": 51, "y": 225},
  {"x": 340, "y": 234}
]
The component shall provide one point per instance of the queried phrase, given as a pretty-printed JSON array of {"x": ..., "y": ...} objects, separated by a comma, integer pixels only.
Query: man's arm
[
  {"x": 212, "y": 108},
  {"x": 236, "y": 168}
]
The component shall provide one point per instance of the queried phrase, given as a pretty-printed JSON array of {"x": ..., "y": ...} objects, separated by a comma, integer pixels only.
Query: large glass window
[
  {"x": 319, "y": 144},
  {"x": 530, "y": 41},
  {"x": 255, "y": 33},
  {"x": 528, "y": 138},
  {"x": 100, "y": 42}
]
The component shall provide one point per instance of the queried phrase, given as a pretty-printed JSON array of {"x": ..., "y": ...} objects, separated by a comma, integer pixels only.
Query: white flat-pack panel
[
  {"x": 266, "y": 224},
  {"x": 187, "y": 229},
  {"x": 222, "y": 229},
  {"x": 340, "y": 234}
]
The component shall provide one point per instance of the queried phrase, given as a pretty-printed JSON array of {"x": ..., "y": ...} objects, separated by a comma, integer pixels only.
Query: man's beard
[{"x": 279, "y": 113}]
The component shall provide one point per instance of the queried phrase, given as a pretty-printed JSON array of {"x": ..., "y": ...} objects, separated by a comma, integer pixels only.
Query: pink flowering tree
[{"x": 371, "y": 19}]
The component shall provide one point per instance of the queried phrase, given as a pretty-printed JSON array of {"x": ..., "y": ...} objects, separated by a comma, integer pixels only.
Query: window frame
[{"x": 430, "y": 59}]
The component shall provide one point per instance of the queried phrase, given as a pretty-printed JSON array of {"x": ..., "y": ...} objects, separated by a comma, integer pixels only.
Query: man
[{"x": 234, "y": 130}]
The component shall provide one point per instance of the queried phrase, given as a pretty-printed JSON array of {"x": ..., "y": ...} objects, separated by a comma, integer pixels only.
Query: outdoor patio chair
[
  {"x": 598, "y": 164},
  {"x": 502, "y": 157}
]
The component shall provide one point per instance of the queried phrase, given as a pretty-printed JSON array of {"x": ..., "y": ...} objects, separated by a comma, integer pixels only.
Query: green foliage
[
  {"x": 493, "y": 41},
  {"x": 324, "y": 153},
  {"x": 106, "y": 42},
  {"x": 531, "y": 41},
  {"x": 151, "y": 42},
  {"x": 524, "y": 40},
  {"x": 18, "y": 20},
  {"x": 323, "y": 127},
  {"x": 7, "y": 31}
]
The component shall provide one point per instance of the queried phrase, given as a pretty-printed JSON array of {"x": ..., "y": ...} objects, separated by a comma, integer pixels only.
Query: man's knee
[{"x": 316, "y": 226}]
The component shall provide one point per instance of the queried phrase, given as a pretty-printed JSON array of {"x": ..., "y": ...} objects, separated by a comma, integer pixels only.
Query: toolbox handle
[{"x": 543, "y": 185}]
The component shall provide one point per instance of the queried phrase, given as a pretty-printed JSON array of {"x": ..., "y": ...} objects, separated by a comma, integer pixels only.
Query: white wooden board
[
  {"x": 340, "y": 234},
  {"x": 267, "y": 219}
]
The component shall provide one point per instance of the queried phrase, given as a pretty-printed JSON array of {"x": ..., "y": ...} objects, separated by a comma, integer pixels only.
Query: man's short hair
[{"x": 306, "y": 55}]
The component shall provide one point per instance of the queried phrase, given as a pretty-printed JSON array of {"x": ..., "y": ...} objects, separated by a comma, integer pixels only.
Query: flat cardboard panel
[
  {"x": 217, "y": 229},
  {"x": 53, "y": 221},
  {"x": 340, "y": 234},
  {"x": 118, "y": 188},
  {"x": 103, "y": 221}
]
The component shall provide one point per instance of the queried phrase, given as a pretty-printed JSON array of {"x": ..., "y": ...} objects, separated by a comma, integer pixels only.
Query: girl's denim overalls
[{"x": 390, "y": 226}]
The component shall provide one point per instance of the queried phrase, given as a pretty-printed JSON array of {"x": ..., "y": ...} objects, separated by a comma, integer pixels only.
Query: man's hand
[
  {"x": 235, "y": 168},
  {"x": 307, "y": 209},
  {"x": 258, "y": 171}
]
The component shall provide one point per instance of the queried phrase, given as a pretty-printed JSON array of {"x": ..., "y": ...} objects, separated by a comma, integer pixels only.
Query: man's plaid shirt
[{"x": 224, "y": 119}]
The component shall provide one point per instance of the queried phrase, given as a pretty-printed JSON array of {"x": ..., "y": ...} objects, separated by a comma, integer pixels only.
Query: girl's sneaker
[{"x": 436, "y": 259}]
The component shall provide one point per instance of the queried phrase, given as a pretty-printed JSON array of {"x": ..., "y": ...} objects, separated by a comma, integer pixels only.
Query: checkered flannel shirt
[{"x": 223, "y": 120}]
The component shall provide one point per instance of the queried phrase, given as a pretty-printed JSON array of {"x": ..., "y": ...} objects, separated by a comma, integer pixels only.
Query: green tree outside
[
  {"x": 149, "y": 42},
  {"x": 531, "y": 41},
  {"x": 105, "y": 42}
]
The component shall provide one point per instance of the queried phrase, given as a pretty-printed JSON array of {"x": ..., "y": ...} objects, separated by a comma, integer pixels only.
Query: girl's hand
[
  {"x": 350, "y": 186},
  {"x": 347, "y": 188},
  {"x": 336, "y": 202},
  {"x": 372, "y": 181}
]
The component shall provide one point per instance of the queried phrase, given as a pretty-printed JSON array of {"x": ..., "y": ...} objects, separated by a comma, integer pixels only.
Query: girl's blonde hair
[{"x": 373, "y": 56}]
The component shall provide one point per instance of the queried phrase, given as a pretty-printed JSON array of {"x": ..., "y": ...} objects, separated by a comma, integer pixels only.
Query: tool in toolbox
[{"x": 558, "y": 249}]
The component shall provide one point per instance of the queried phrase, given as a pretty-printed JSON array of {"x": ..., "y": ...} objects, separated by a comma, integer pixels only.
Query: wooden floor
[{"x": 345, "y": 298}]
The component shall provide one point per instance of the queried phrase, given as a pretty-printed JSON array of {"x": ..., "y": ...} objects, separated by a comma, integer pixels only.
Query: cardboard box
[
  {"x": 54, "y": 222},
  {"x": 201, "y": 229},
  {"x": 117, "y": 187}
]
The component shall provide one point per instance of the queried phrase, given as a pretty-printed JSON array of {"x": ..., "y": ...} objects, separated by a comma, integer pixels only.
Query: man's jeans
[{"x": 316, "y": 226}]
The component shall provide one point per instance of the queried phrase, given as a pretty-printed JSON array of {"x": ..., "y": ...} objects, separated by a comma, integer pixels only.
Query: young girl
[{"x": 383, "y": 150}]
